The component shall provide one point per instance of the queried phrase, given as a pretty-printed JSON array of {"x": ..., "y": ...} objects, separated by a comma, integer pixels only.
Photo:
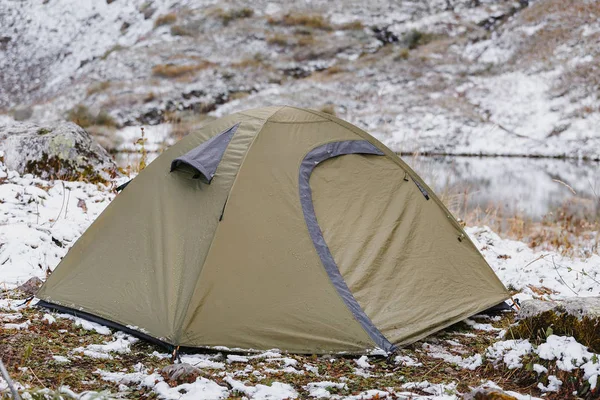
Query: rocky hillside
[{"x": 434, "y": 76}]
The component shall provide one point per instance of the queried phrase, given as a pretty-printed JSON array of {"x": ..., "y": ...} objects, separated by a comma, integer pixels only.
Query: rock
[
  {"x": 31, "y": 286},
  {"x": 180, "y": 373},
  {"x": 22, "y": 114},
  {"x": 62, "y": 151},
  {"x": 575, "y": 316},
  {"x": 488, "y": 394}
]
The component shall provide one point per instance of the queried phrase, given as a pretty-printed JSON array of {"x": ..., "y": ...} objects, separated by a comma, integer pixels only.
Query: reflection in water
[{"x": 524, "y": 186}]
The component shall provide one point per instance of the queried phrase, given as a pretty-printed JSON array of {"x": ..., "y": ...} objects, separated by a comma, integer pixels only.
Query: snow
[
  {"x": 319, "y": 389},
  {"x": 554, "y": 384},
  {"x": 437, "y": 351},
  {"x": 510, "y": 352},
  {"x": 87, "y": 325}
]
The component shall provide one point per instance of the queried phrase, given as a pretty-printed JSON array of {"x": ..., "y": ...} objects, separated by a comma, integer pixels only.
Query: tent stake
[{"x": 11, "y": 385}]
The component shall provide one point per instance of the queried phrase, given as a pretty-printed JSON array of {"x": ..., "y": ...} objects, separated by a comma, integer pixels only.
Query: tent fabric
[
  {"x": 309, "y": 239},
  {"x": 206, "y": 157},
  {"x": 312, "y": 159}
]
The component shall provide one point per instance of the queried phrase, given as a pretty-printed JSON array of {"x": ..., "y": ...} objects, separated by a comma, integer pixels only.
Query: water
[{"x": 526, "y": 187}]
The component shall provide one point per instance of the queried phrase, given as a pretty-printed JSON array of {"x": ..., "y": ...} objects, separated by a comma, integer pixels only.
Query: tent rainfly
[{"x": 276, "y": 227}]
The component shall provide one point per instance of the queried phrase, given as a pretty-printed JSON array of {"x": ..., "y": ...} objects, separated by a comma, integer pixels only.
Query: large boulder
[
  {"x": 61, "y": 151},
  {"x": 575, "y": 316}
]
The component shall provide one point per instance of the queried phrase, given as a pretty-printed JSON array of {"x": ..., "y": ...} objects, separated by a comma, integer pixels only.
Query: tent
[{"x": 277, "y": 227}]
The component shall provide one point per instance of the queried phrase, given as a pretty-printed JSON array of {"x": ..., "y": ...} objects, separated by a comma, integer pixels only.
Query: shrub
[{"x": 165, "y": 19}]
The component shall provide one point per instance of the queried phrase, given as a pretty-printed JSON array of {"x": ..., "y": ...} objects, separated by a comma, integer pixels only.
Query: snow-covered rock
[
  {"x": 575, "y": 306},
  {"x": 60, "y": 151}
]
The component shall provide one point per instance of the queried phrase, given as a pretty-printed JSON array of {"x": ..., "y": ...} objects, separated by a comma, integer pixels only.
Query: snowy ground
[{"x": 40, "y": 220}]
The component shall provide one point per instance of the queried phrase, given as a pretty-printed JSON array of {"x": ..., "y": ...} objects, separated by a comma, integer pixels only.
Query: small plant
[
  {"x": 143, "y": 153},
  {"x": 165, "y": 19}
]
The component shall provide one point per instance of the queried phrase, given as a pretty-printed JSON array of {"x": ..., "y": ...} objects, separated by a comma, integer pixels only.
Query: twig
[
  {"x": 11, "y": 385},
  {"x": 565, "y": 184},
  {"x": 561, "y": 278},
  {"x": 61, "y": 206},
  {"x": 537, "y": 259}
]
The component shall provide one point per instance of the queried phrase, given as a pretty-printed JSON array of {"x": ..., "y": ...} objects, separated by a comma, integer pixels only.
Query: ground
[{"x": 50, "y": 354}]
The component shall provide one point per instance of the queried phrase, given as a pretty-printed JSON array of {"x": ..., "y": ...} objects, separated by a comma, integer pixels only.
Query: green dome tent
[{"x": 277, "y": 227}]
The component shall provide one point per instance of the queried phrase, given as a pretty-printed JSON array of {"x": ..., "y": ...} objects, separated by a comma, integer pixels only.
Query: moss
[
  {"x": 57, "y": 168},
  {"x": 44, "y": 131},
  {"x": 585, "y": 330}
]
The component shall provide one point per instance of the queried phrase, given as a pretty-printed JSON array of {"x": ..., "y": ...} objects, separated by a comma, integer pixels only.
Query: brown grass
[
  {"x": 165, "y": 19},
  {"x": 227, "y": 16},
  {"x": 278, "y": 40},
  {"x": 98, "y": 87},
  {"x": 180, "y": 30},
  {"x": 308, "y": 20},
  {"x": 178, "y": 70},
  {"x": 351, "y": 26}
]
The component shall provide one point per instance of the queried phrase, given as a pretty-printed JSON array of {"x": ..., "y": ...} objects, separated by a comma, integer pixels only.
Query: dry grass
[
  {"x": 82, "y": 116},
  {"x": 308, "y": 20},
  {"x": 227, "y": 16},
  {"x": 351, "y": 26},
  {"x": 178, "y": 70},
  {"x": 180, "y": 30},
  {"x": 98, "y": 87},
  {"x": 278, "y": 39},
  {"x": 165, "y": 19}
]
